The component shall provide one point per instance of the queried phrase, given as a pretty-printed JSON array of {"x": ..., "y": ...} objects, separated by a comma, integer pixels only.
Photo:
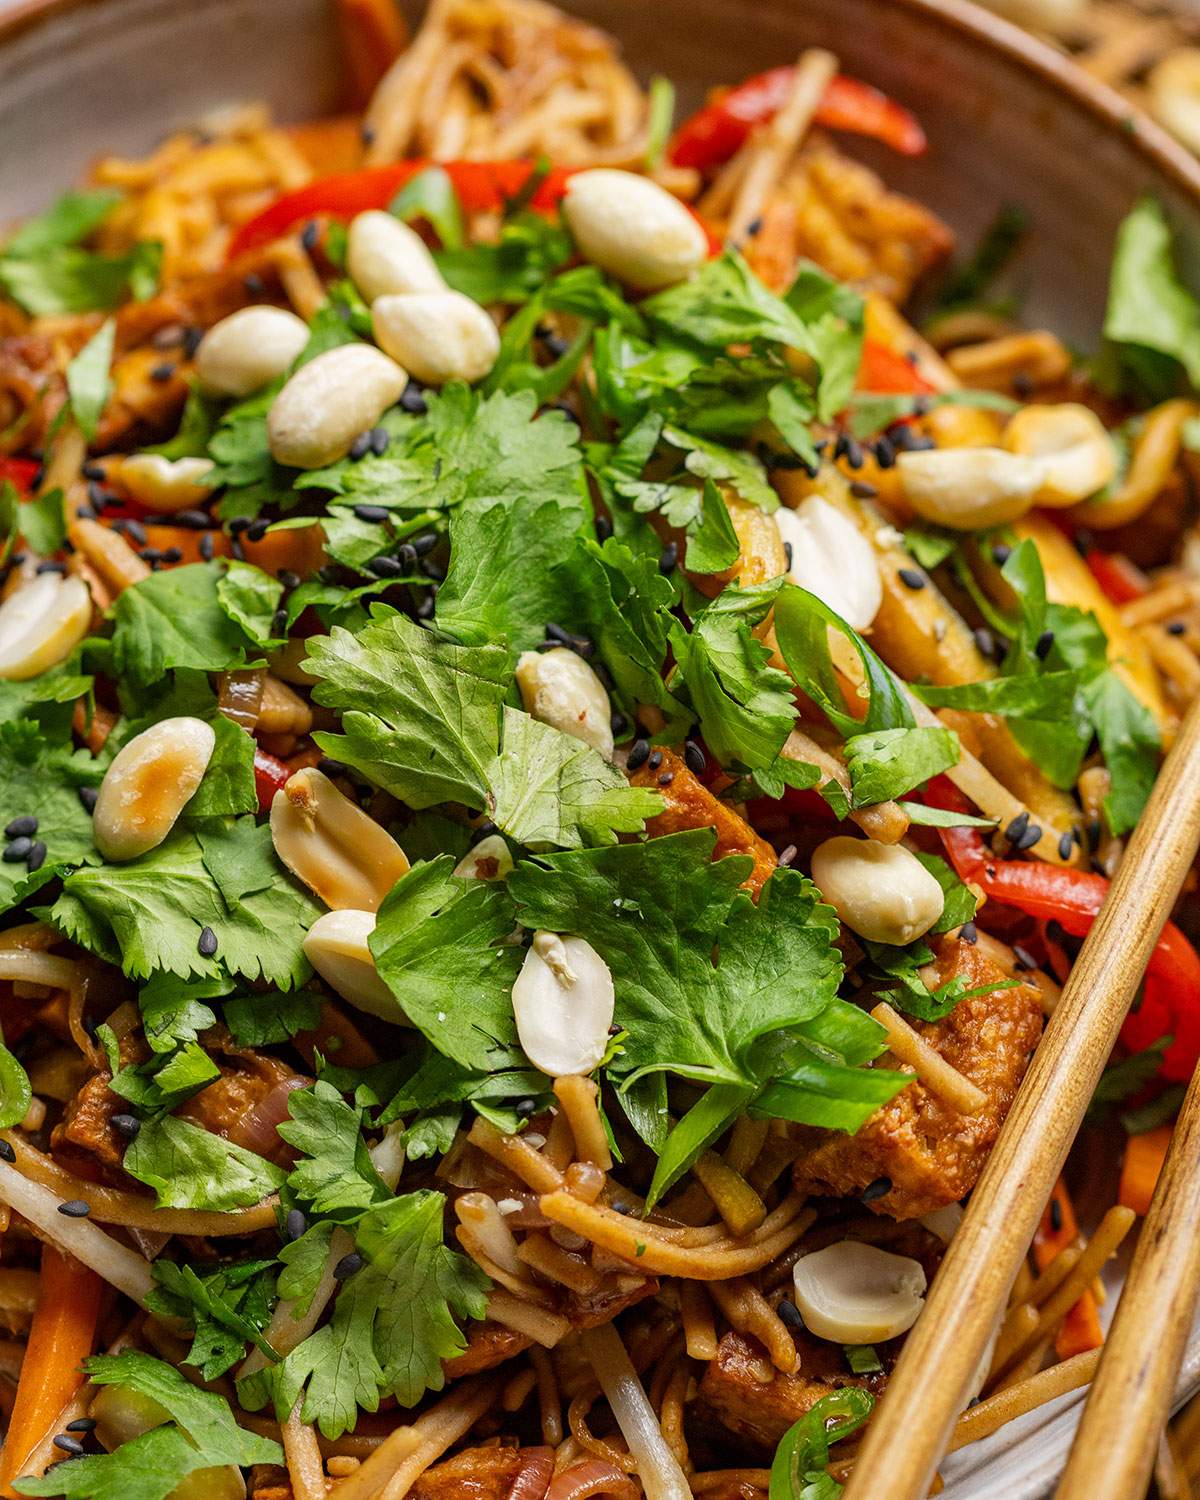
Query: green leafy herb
[
  {"x": 889, "y": 762},
  {"x": 227, "y": 1307},
  {"x": 430, "y": 195},
  {"x": 88, "y": 383},
  {"x": 1152, "y": 322},
  {"x": 43, "y": 781},
  {"x": 176, "y": 619},
  {"x": 798, "y": 1471},
  {"x": 71, "y": 219},
  {"x": 654, "y": 912},
  {"x": 189, "y": 1167},
  {"x": 334, "y": 1171},
  {"x": 198, "y": 1432}
]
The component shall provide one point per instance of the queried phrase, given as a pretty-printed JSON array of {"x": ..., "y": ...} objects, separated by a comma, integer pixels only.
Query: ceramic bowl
[{"x": 1009, "y": 121}]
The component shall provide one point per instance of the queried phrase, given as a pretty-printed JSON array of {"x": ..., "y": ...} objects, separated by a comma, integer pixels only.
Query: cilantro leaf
[
  {"x": 66, "y": 279},
  {"x": 201, "y": 1434},
  {"x": 548, "y": 788},
  {"x": 437, "y": 734},
  {"x": 44, "y": 782},
  {"x": 440, "y": 945},
  {"x": 176, "y": 619},
  {"x": 265, "y": 1020},
  {"x": 887, "y": 763},
  {"x": 335, "y": 1170},
  {"x": 434, "y": 719},
  {"x": 189, "y": 1167},
  {"x": 227, "y": 1307},
  {"x": 393, "y": 1322},
  {"x": 250, "y": 597},
  {"x": 724, "y": 304},
  {"x": 148, "y": 914},
  {"x": 67, "y": 221},
  {"x": 1152, "y": 322},
  {"x": 745, "y": 706},
  {"x": 88, "y": 383},
  {"x": 654, "y": 912}
]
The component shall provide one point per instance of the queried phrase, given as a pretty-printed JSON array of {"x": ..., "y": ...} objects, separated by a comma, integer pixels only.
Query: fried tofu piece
[
  {"x": 932, "y": 1154},
  {"x": 690, "y": 804}
]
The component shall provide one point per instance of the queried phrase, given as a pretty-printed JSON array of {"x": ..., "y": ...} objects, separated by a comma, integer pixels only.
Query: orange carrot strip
[
  {"x": 372, "y": 35},
  {"x": 187, "y": 541},
  {"x": 62, "y": 1335},
  {"x": 330, "y": 146},
  {"x": 1144, "y": 1157},
  {"x": 1059, "y": 1228}
]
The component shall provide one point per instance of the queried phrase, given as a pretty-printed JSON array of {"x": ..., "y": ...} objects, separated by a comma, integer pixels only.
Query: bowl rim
[{"x": 982, "y": 27}]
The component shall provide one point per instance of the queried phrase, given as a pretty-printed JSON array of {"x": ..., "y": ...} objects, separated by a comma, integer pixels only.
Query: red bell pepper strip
[
  {"x": 721, "y": 128},
  {"x": 482, "y": 186},
  {"x": 1171, "y": 997},
  {"x": 885, "y": 372},
  {"x": 270, "y": 775},
  {"x": 20, "y": 473},
  {"x": 1116, "y": 575}
]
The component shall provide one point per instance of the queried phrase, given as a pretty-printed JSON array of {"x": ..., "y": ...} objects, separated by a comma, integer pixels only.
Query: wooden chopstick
[
  {"x": 1115, "y": 1444},
  {"x": 909, "y": 1431}
]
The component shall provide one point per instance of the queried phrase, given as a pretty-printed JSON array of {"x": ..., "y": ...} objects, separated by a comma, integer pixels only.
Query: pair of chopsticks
[{"x": 1130, "y": 1395}]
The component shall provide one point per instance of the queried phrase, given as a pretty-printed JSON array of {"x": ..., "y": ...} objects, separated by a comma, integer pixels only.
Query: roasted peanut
[
  {"x": 329, "y": 401},
  {"x": 148, "y": 785},
  {"x": 41, "y": 623},
  {"x": 248, "y": 349},
  {"x": 339, "y": 852}
]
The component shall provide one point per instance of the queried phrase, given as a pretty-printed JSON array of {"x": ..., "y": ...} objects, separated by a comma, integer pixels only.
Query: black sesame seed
[
  {"x": 207, "y": 944},
  {"x": 1095, "y": 833},
  {"x": 668, "y": 558},
  {"x": 86, "y": 512},
  {"x": 279, "y": 622},
  {"x": 93, "y": 470},
  {"x": 238, "y": 525},
  {"x": 330, "y": 767},
  {"x": 151, "y": 555},
  {"x": 207, "y": 547},
  {"x": 191, "y": 340},
  {"x": 1025, "y": 959},
  {"x": 694, "y": 758},
  {"x": 380, "y": 437},
  {"x": 639, "y": 754},
  {"x": 1022, "y": 386},
  {"x": 36, "y": 858},
  {"x": 68, "y": 1444},
  {"x": 986, "y": 642},
  {"x": 655, "y": 760},
  {"x": 1001, "y": 553},
  {"x": 754, "y": 227},
  {"x": 17, "y": 852},
  {"x": 618, "y": 723},
  {"x": 194, "y": 520},
  {"x": 968, "y": 933},
  {"x": 1041, "y": 647},
  {"x": 27, "y": 823},
  {"x": 126, "y": 1125},
  {"x": 253, "y": 284},
  {"x": 1017, "y": 827},
  {"x": 162, "y": 373},
  {"x": 289, "y": 579},
  {"x": 666, "y": 778},
  {"x": 1056, "y": 1215},
  {"x": 385, "y": 567},
  {"x": 413, "y": 400},
  {"x": 1176, "y": 627},
  {"x": 604, "y": 528},
  {"x": 309, "y": 236},
  {"x": 787, "y": 555},
  {"x": 861, "y": 490},
  {"x": 257, "y": 530},
  {"x": 348, "y": 1266},
  {"x": 295, "y": 1224},
  {"x": 51, "y": 567},
  {"x": 621, "y": 1207},
  {"x": 407, "y": 554},
  {"x": 877, "y": 1189},
  {"x": 885, "y": 453},
  {"x": 88, "y": 796},
  {"x": 360, "y": 447},
  {"x": 790, "y": 1314},
  {"x": 366, "y": 134},
  {"x": 911, "y": 579},
  {"x": 6, "y": 1152},
  {"x": 82, "y": 1424},
  {"x": 788, "y": 855},
  {"x": 75, "y": 1208},
  {"x": 172, "y": 555},
  {"x": 424, "y": 544},
  {"x": 1065, "y": 845},
  {"x": 523, "y": 1108},
  {"x": 372, "y": 512},
  {"x": 1029, "y": 838}
]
